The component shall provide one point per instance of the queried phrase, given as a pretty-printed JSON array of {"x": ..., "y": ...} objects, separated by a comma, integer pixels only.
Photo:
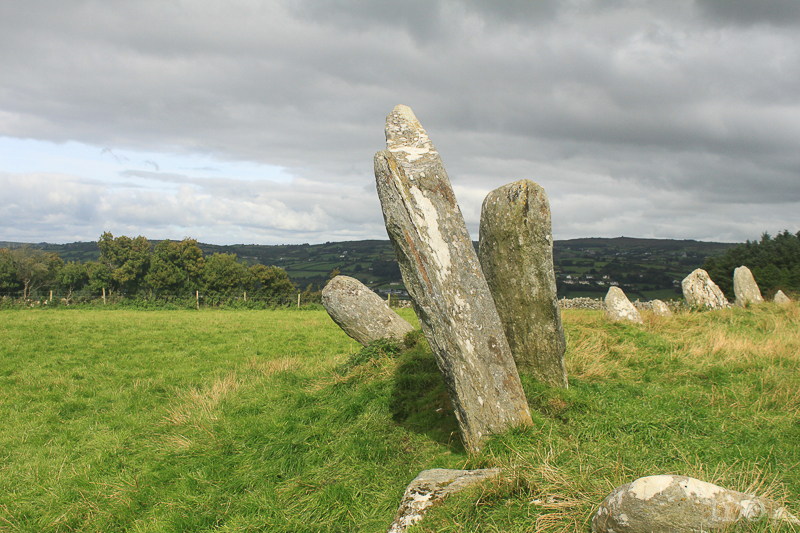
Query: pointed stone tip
[
  {"x": 405, "y": 112},
  {"x": 405, "y": 136},
  {"x": 401, "y": 118}
]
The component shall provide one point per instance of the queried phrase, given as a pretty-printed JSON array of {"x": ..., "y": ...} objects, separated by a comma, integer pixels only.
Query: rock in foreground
[
  {"x": 361, "y": 313},
  {"x": 433, "y": 486},
  {"x": 516, "y": 255},
  {"x": 674, "y": 504},
  {"x": 441, "y": 272}
]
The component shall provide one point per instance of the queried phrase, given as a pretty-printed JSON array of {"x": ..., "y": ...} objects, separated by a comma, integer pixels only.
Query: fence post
[
  {"x": 298, "y": 300},
  {"x": 104, "y": 296},
  {"x": 51, "y": 295},
  {"x": 197, "y": 299},
  {"x": 389, "y": 301},
  {"x": 245, "y": 296}
]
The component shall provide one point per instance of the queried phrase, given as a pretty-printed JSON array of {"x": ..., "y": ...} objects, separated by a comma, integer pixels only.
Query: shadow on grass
[{"x": 419, "y": 401}]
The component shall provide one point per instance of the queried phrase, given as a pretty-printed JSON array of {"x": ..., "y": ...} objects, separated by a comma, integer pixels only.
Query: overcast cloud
[{"x": 257, "y": 121}]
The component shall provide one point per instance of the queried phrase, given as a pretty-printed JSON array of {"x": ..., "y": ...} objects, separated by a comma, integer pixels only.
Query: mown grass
[{"x": 276, "y": 421}]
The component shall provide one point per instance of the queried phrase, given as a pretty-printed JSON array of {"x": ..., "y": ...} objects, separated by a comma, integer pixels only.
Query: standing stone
[
  {"x": 516, "y": 254},
  {"x": 671, "y": 504},
  {"x": 441, "y": 272},
  {"x": 361, "y": 313},
  {"x": 780, "y": 298},
  {"x": 660, "y": 308},
  {"x": 700, "y": 291},
  {"x": 619, "y": 308},
  {"x": 745, "y": 287}
]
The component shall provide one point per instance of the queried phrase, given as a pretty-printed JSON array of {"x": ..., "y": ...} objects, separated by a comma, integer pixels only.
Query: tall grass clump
[{"x": 274, "y": 420}]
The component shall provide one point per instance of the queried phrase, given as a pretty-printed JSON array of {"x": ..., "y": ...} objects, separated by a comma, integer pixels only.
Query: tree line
[
  {"x": 135, "y": 268},
  {"x": 774, "y": 262}
]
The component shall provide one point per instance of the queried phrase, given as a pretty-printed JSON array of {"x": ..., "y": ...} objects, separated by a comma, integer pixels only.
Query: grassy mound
[{"x": 276, "y": 421}]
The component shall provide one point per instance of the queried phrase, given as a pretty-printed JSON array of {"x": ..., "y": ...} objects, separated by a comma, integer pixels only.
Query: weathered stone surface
[
  {"x": 660, "y": 308},
  {"x": 781, "y": 298},
  {"x": 672, "y": 504},
  {"x": 433, "y": 486},
  {"x": 441, "y": 272},
  {"x": 745, "y": 287},
  {"x": 700, "y": 291},
  {"x": 361, "y": 313},
  {"x": 619, "y": 308},
  {"x": 516, "y": 254}
]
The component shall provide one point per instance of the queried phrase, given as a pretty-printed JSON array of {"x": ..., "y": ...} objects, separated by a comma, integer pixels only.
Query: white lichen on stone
[
  {"x": 428, "y": 219},
  {"x": 701, "y": 489},
  {"x": 412, "y": 153},
  {"x": 469, "y": 348},
  {"x": 421, "y": 498},
  {"x": 460, "y": 302},
  {"x": 645, "y": 488}
]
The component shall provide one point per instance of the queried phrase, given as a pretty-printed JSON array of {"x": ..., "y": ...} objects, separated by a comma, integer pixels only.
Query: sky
[{"x": 256, "y": 122}]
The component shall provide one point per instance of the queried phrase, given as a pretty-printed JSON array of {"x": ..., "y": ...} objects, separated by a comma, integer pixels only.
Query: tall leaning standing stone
[
  {"x": 441, "y": 272},
  {"x": 516, "y": 254}
]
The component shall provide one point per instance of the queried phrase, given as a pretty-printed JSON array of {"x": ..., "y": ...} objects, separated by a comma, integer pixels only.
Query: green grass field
[{"x": 221, "y": 420}]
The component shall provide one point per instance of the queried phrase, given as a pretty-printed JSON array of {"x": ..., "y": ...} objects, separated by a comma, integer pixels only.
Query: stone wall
[
  {"x": 591, "y": 303},
  {"x": 581, "y": 303},
  {"x": 400, "y": 304}
]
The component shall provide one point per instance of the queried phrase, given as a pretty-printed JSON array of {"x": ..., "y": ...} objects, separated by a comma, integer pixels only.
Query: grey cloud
[
  {"x": 746, "y": 12},
  {"x": 514, "y": 10},
  {"x": 420, "y": 18},
  {"x": 167, "y": 177}
]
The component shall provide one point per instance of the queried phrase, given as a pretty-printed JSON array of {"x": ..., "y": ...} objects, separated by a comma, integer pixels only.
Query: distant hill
[{"x": 644, "y": 268}]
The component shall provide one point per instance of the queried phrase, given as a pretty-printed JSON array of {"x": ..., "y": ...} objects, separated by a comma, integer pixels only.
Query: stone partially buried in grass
[
  {"x": 660, "y": 308},
  {"x": 431, "y": 487},
  {"x": 619, "y": 308},
  {"x": 516, "y": 254},
  {"x": 361, "y": 313},
  {"x": 672, "y": 504},
  {"x": 780, "y": 298}
]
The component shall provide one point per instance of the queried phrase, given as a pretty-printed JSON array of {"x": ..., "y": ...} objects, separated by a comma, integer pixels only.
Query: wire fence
[{"x": 189, "y": 300}]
